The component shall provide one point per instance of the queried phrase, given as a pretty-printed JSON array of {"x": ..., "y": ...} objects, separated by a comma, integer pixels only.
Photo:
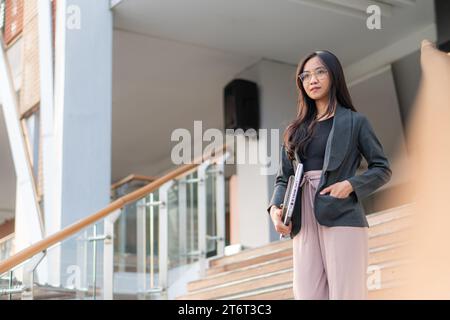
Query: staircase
[{"x": 266, "y": 272}]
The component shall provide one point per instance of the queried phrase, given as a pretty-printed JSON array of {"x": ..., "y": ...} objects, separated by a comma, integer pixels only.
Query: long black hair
[{"x": 299, "y": 132}]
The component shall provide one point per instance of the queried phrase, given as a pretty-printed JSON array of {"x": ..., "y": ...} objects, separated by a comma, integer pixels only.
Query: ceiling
[{"x": 283, "y": 30}]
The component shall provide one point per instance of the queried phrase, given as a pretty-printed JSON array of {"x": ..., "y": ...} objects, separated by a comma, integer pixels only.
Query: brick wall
[
  {"x": 30, "y": 92},
  {"x": 13, "y": 20}
]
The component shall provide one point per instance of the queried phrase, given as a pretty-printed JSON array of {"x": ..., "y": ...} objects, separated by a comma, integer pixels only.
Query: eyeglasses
[{"x": 320, "y": 74}]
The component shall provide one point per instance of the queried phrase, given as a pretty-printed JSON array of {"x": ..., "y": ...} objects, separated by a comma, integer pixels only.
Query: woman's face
[{"x": 315, "y": 79}]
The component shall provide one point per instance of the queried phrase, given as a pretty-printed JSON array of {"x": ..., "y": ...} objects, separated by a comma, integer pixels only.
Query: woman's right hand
[{"x": 276, "y": 214}]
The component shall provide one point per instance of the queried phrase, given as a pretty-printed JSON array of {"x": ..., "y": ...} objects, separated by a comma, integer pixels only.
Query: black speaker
[{"x": 241, "y": 105}]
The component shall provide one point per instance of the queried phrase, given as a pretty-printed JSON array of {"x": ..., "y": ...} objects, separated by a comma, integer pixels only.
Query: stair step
[
  {"x": 283, "y": 292},
  {"x": 234, "y": 275},
  {"x": 389, "y": 290},
  {"x": 389, "y": 214},
  {"x": 388, "y": 253},
  {"x": 236, "y": 287},
  {"x": 387, "y": 237},
  {"x": 273, "y": 255},
  {"x": 377, "y": 255},
  {"x": 394, "y": 225},
  {"x": 249, "y": 253}
]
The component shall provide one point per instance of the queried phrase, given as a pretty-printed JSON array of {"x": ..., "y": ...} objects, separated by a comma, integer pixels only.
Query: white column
[
  {"x": 47, "y": 130},
  {"x": 252, "y": 194},
  {"x": 46, "y": 109},
  {"x": 82, "y": 117},
  {"x": 29, "y": 225}
]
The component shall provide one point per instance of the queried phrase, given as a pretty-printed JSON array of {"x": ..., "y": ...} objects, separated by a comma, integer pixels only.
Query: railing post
[
  {"x": 152, "y": 238},
  {"x": 163, "y": 254},
  {"x": 141, "y": 245},
  {"x": 108, "y": 256},
  {"x": 94, "y": 262},
  {"x": 10, "y": 283},
  {"x": 28, "y": 276},
  {"x": 201, "y": 206},
  {"x": 182, "y": 210},
  {"x": 220, "y": 206},
  {"x": 82, "y": 261}
]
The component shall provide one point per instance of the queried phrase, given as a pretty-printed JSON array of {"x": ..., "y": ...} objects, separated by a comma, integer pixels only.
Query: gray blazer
[{"x": 350, "y": 138}]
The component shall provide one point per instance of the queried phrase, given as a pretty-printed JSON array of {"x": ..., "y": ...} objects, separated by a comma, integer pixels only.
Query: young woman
[{"x": 328, "y": 136}]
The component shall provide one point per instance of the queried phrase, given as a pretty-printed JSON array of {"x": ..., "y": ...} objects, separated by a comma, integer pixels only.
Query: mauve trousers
[{"x": 328, "y": 262}]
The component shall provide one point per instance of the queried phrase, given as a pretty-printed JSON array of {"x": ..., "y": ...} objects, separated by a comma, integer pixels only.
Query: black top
[{"x": 315, "y": 151}]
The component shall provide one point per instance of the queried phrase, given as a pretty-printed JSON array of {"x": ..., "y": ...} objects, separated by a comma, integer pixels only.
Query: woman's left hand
[{"x": 340, "y": 189}]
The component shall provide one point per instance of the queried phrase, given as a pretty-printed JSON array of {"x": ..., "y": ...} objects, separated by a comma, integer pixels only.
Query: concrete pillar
[{"x": 82, "y": 118}]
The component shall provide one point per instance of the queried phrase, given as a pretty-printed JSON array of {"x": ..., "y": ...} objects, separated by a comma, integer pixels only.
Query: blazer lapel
[{"x": 338, "y": 139}]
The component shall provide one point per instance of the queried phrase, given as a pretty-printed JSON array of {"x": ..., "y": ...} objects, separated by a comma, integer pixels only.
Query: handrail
[{"x": 59, "y": 236}]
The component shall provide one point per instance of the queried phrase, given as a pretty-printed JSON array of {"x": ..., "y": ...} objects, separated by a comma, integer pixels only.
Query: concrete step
[
  {"x": 387, "y": 237},
  {"x": 253, "y": 260},
  {"x": 394, "y": 225},
  {"x": 242, "y": 273},
  {"x": 389, "y": 291},
  {"x": 250, "y": 253},
  {"x": 249, "y": 284},
  {"x": 283, "y": 292},
  {"x": 389, "y": 214},
  {"x": 388, "y": 253},
  {"x": 392, "y": 290}
]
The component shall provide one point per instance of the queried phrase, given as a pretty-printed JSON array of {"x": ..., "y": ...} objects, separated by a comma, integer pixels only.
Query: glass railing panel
[
  {"x": 136, "y": 249},
  {"x": 11, "y": 284},
  {"x": 182, "y": 227},
  {"x": 71, "y": 269}
]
